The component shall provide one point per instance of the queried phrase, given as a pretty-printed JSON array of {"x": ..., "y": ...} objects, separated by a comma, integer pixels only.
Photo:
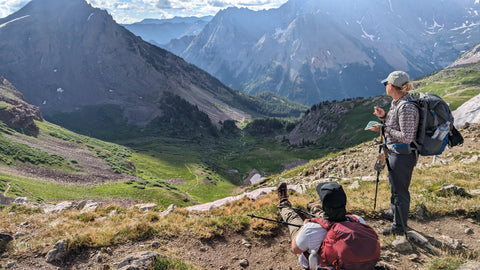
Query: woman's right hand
[{"x": 379, "y": 112}]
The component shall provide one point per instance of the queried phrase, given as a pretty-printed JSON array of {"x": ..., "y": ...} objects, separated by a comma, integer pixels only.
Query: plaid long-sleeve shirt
[{"x": 403, "y": 129}]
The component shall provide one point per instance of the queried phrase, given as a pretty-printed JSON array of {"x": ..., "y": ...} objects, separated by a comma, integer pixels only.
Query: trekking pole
[
  {"x": 277, "y": 221},
  {"x": 382, "y": 159},
  {"x": 376, "y": 191},
  {"x": 303, "y": 211},
  {"x": 379, "y": 165}
]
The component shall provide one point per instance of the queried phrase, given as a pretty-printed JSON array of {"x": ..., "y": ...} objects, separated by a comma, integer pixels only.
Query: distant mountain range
[
  {"x": 86, "y": 72},
  {"x": 311, "y": 50},
  {"x": 159, "y": 32}
]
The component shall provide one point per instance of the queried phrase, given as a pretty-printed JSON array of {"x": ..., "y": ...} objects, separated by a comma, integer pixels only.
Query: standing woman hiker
[{"x": 399, "y": 130}]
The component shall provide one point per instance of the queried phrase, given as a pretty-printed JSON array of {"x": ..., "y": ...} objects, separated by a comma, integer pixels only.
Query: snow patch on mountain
[
  {"x": 465, "y": 26},
  {"x": 16, "y": 19}
]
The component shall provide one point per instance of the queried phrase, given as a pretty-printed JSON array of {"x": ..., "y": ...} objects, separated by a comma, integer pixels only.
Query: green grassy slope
[
  {"x": 162, "y": 170},
  {"x": 455, "y": 85},
  {"x": 202, "y": 168}
]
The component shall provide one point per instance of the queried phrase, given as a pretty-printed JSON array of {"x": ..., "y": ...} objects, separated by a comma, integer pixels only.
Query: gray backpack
[{"x": 435, "y": 127}]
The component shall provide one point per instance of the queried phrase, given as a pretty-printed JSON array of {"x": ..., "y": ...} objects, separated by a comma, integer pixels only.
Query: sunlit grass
[
  {"x": 445, "y": 263},
  {"x": 49, "y": 190},
  {"x": 455, "y": 85}
]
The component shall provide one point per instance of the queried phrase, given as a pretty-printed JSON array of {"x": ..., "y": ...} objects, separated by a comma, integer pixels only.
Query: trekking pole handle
[{"x": 277, "y": 221}]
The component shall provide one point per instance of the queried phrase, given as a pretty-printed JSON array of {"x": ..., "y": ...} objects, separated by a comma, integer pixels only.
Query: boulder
[
  {"x": 139, "y": 261},
  {"x": 355, "y": 185},
  {"x": 90, "y": 206},
  {"x": 421, "y": 212},
  {"x": 58, "y": 252},
  {"x": 169, "y": 210},
  {"x": 4, "y": 240},
  {"x": 469, "y": 266},
  {"x": 146, "y": 206},
  {"x": 450, "y": 242},
  {"x": 401, "y": 244},
  {"x": 21, "y": 200},
  {"x": 451, "y": 190},
  {"x": 57, "y": 208}
]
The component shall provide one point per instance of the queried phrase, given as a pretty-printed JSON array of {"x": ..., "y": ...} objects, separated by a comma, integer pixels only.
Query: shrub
[{"x": 170, "y": 264}]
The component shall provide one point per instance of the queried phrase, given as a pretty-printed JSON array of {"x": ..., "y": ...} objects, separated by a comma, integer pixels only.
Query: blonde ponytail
[{"x": 406, "y": 87}]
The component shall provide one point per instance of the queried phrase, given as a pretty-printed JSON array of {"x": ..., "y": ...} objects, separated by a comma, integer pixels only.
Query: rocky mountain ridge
[
  {"x": 469, "y": 57},
  {"x": 66, "y": 55},
  {"x": 310, "y": 51},
  {"x": 324, "y": 119}
]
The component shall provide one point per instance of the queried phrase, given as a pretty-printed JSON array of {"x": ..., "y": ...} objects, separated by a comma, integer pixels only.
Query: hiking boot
[
  {"x": 392, "y": 231},
  {"x": 282, "y": 192}
]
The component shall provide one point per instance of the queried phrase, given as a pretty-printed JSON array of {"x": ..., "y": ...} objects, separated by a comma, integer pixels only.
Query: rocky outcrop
[
  {"x": 470, "y": 57},
  {"x": 469, "y": 266},
  {"x": 4, "y": 240},
  {"x": 326, "y": 118},
  {"x": 58, "y": 252},
  {"x": 14, "y": 111},
  {"x": 468, "y": 112},
  {"x": 139, "y": 261}
]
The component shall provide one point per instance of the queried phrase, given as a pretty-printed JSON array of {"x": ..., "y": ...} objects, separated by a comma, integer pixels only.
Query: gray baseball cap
[
  {"x": 397, "y": 78},
  {"x": 332, "y": 195}
]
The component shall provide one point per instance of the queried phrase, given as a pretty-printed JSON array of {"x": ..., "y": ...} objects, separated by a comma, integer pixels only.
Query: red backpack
[{"x": 349, "y": 245}]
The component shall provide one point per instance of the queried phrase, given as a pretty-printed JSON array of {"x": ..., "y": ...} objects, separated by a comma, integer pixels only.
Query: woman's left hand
[{"x": 375, "y": 128}]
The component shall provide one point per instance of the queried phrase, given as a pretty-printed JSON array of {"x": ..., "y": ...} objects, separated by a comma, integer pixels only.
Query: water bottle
[
  {"x": 441, "y": 131},
  {"x": 313, "y": 260}
]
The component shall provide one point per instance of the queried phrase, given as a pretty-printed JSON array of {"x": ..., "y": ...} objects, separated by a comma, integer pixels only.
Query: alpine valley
[{"x": 117, "y": 154}]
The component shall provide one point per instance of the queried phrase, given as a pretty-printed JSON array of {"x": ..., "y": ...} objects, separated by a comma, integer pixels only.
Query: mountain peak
[
  {"x": 54, "y": 6},
  {"x": 66, "y": 55}
]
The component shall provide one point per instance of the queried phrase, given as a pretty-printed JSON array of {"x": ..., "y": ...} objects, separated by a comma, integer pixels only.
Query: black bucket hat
[{"x": 332, "y": 195}]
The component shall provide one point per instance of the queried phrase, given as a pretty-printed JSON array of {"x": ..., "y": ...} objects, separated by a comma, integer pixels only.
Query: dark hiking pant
[{"x": 399, "y": 177}]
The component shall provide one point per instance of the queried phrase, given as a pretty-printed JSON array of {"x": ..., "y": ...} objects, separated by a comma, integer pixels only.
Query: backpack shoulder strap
[
  {"x": 327, "y": 225},
  {"x": 401, "y": 104},
  {"x": 352, "y": 218}
]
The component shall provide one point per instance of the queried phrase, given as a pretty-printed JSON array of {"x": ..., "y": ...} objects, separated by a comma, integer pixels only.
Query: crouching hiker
[{"x": 335, "y": 240}]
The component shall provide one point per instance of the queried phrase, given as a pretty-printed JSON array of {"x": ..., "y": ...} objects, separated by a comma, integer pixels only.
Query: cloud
[
  {"x": 8, "y": 7},
  {"x": 164, "y": 4},
  {"x": 254, "y": 3},
  {"x": 129, "y": 11},
  {"x": 216, "y": 3}
]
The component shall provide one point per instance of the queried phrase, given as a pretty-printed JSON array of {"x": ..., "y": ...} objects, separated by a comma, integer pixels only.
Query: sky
[{"x": 129, "y": 11}]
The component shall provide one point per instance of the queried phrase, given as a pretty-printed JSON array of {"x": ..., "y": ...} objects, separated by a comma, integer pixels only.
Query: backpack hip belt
[{"x": 401, "y": 148}]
